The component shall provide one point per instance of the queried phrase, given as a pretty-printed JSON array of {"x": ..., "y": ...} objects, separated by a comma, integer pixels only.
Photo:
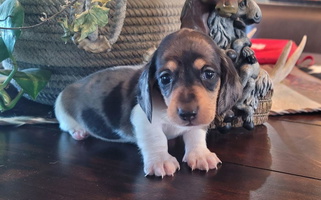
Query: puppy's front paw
[
  {"x": 161, "y": 165},
  {"x": 202, "y": 159}
]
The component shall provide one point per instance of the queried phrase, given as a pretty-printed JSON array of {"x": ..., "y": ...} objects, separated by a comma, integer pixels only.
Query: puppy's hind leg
[{"x": 68, "y": 123}]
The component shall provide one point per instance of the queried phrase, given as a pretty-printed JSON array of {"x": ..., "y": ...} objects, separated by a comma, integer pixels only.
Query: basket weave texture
[
  {"x": 260, "y": 116},
  {"x": 134, "y": 27}
]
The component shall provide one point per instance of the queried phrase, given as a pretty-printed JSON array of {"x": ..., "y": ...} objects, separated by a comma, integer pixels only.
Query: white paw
[
  {"x": 202, "y": 159},
  {"x": 162, "y": 165},
  {"x": 79, "y": 134}
]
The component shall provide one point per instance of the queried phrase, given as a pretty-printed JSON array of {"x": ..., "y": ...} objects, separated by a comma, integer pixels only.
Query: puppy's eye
[
  {"x": 165, "y": 78},
  {"x": 208, "y": 73}
]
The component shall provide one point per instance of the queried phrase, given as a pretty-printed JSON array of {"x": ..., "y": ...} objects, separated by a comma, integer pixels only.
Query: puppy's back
[{"x": 100, "y": 103}]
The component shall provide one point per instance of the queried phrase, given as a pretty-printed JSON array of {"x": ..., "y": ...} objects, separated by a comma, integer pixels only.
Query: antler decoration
[
  {"x": 285, "y": 99},
  {"x": 282, "y": 67}
]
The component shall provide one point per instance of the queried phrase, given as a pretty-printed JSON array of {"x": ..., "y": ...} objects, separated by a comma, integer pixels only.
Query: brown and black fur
[{"x": 178, "y": 92}]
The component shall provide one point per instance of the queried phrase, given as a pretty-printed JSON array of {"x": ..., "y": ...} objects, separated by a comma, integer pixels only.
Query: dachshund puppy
[{"x": 186, "y": 83}]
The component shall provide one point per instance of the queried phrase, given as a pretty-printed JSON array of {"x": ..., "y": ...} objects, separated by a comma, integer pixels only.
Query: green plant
[
  {"x": 87, "y": 22},
  {"x": 32, "y": 81}
]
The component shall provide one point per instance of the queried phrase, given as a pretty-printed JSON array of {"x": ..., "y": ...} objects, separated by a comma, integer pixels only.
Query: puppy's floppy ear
[
  {"x": 231, "y": 88},
  {"x": 145, "y": 86}
]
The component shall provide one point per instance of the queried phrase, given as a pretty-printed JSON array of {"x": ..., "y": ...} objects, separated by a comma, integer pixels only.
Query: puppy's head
[{"x": 195, "y": 78}]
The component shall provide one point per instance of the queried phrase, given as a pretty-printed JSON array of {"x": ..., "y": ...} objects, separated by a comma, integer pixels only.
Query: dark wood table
[{"x": 278, "y": 160}]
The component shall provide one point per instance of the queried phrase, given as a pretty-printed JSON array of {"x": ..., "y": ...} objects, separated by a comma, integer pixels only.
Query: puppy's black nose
[{"x": 187, "y": 115}]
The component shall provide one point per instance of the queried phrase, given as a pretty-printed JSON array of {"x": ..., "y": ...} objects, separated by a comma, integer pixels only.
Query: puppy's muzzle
[
  {"x": 187, "y": 108},
  {"x": 187, "y": 115}
]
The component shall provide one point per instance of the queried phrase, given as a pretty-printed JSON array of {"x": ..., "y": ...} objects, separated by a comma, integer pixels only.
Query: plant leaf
[
  {"x": 101, "y": 14},
  {"x": 4, "y": 97},
  {"x": 88, "y": 21},
  {"x": 11, "y": 15},
  {"x": 63, "y": 22},
  {"x": 32, "y": 80},
  {"x": 101, "y": 1},
  {"x": 4, "y": 54}
]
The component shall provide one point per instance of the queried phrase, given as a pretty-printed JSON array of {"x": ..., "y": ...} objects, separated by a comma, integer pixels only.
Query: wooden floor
[{"x": 278, "y": 160}]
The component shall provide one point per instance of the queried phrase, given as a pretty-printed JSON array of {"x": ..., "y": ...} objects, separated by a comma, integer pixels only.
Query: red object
[
  {"x": 302, "y": 62},
  {"x": 267, "y": 51}
]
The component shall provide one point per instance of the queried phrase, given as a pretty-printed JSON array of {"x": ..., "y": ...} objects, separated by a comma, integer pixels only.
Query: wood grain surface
[{"x": 278, "y": 160}]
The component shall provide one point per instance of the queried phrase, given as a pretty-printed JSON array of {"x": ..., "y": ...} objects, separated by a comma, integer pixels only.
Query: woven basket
[{"x": 134, "y": 27}]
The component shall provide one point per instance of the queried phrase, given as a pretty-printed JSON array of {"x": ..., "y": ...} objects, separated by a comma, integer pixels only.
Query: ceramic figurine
[{"x": 195, "y": 13}]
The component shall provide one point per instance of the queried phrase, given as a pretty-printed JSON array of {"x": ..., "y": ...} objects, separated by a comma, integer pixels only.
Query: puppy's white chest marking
[
  {"x": 171, "y": 131},
  {"x": 161, "y": 125},
  {"x": 160, "y": 118}
]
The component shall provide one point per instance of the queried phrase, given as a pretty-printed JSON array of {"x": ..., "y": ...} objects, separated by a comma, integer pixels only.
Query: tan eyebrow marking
[
  {"x": 171, "y": 65},
  {"x": 199, "y": 63}
]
